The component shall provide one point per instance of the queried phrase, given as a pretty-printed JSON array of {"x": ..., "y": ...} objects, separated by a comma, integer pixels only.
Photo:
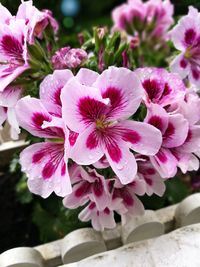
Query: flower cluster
[
  {"x": 146, "y": 20},
  {"x": 16, "y": 33},
  {"x": 89, "y": 118},
  {"x": 186, "y": 38},
  {"x": 106, "y": 138}
]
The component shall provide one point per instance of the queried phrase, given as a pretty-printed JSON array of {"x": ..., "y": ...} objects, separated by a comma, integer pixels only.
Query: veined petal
[
  {"x": 176, "y": 131},
  {"x": 141, "y": 137},
  {"x": 10, "y": 96},
  {"x": 9, "y": 74},
  {"x": 31, "y": 115},
  {"x": 121, "y": 160},
  {"x": 192, "y": 142},
  {"x": 180, "y": 65},
  {"x": 50, "y": 90},
  {"x": 165, "y": 163},
  {"x": 158, "y": 117},
  {"x": 124, "y": 90},
  {"x": 87, "y": 149},
  {"x": 46, "y": 169},
  {"x": 81, "y": 105}
]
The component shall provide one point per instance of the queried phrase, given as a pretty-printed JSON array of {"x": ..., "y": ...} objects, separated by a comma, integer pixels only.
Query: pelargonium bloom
[
  {"x": 67, "y": 57},
  {"x": 36, "y": 20},
  {"x": 8, "y": 101},
  {"x": 154, "y": 183},
  {"x": 100, "y": 112},
  {"x": 187, "y": 154},
  {"x": 13, "y": 51},
  {"x": 160, "y": 86},
  {"x": 127, "y": 194},
  {"x": 186, "y": 38},
  {"x": 153, "y": 17},
  {"x": 174, "y": 129},
  {"x": 87, "y": 185},
  {"x": 45, "y": 163}
]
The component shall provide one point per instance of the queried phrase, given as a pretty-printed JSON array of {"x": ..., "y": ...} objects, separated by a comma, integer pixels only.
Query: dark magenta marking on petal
[
  {"x": 39, "y": 118},
  {"x": 152, "y": 87},
  {"x": 183, "y": 63},
  {"x": 149, "y": 181},
  {"x": 92, "y": 141},
  {"x": 48, "y": 170},
  {"x": 63, "y": 169},
  {"x": 131, "y": 136},
  {"x": 83, "y": 189},
  {"x": 115, "y": 97},
  {"x": 57, "y": 94},
  {"x": 195, "y": 74},
  {"x": 72, "y": 137},
  {"x": 162, "y": 157},
  {"x": 190, "y": 36},
  {"x": 169, "y": 132},
  {"x": 91, "y": 109},
  {"x": 92, "y": 206},
  {"x": 128, "y": 199},
  {"x": 107, "y": 211},
  {"x": 189, "y": 136},
  {"x": 167, "y": 90},
  {"x": 38, "y": 156},
  {"x": 114, "y": 151},
  {"x": 98, "y": 188},
  {"x": 156, "y": 121},
  {"x": 12, "y": 47},
  {"x": 150, "y": 171}
]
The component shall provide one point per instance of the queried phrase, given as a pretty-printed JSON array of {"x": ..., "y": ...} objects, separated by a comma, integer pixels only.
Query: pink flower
[
  {"x": 174, "y": 129},
  {"x": 8, "y": 101},
  {"x": 13, "y": 51},
  {"x": 152, "y": 18},
  {"x": 153, "y": 181},
  {"x": 160, "y": 87},
  {"x": 101, "y": 219},
  {"x": 91, "y": 190},
  {"x": 36, "y": 20},
  {"x": 186, "y": 38},
  {"x": 130, "y": 205},
  {"x": 68, "y": 58},
  {"x": 187, "y": 153},
  {"x": 87, "y": 185},
  {"x": 46, "y": 163},
  {"x": 99, "y": 113}
]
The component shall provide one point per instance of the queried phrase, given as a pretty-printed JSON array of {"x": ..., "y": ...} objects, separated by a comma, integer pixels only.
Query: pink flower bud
[{"x": 68, "y": 58}]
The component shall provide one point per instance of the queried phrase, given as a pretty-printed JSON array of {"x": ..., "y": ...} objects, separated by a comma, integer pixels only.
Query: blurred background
[
  {"x": 75, "y": 15},
  {"x": 27, "y": 220}
]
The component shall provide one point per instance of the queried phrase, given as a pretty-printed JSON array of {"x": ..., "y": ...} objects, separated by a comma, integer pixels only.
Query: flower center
[
  {"x": 101, "y": 123},
  {"x": 188, "y": 53}
]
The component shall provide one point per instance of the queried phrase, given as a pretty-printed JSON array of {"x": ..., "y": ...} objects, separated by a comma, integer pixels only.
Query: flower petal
[
  {"x": 122, "y": 161},
  {"x": 139, "y": 136},
  {"x": 31, "y": 115},
  {"x": 86, "y": 76},
  {"x": 176, "y": 131},
  {"x": 165, "y": 163},
  {"x": 81, "y": 105},
  {"x": 46, "y": 169},
  {"x": 124, "y": 90},
  {"x": 50, "y": 89},
  {"x": 87, "y": 149}
]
